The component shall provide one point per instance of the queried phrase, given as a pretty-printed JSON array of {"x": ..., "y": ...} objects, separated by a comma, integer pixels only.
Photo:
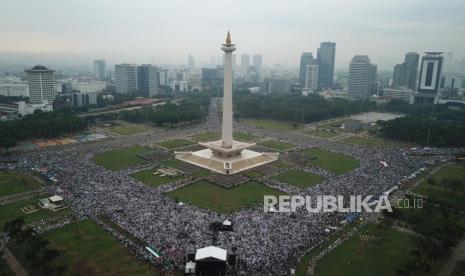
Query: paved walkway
[
  {"x": 15, "y": 266},
  {"x": 457, "y": 254}
]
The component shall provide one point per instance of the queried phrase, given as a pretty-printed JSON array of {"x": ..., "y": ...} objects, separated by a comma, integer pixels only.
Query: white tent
[{"x": 211, "y": 252}]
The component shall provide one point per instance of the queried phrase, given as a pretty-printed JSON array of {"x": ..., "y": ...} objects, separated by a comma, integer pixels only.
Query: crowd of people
[{"x": 263, "y": 242}]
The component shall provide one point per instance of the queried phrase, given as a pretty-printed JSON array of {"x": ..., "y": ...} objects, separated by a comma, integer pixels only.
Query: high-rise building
[
  {"x": 276, "y": 85},
  {"x": 400, "y": 75},
  {"x": 305, "y": 60},
  {"x": 245, "y": 61},
  {"x": 430, "y": 76},
  {"x": 41, "y": 82},
  {"x": 412, "y": 59},
  {"x": 326, "y": 56},
  {"x": 147, "y": 80},
  {"x": 10, "y": 88},
  {"x": 362, "y": 77},
  {"x": 212, "y": 78},
  {"x": 190, "y": 61},
  {"x": 100, "y": 69},
  {"x": 257, "y": 62},
  {"x": 311, "y": 78},
  {"x": 125, "y": 78},
  {"x": 162, "y": 76}
]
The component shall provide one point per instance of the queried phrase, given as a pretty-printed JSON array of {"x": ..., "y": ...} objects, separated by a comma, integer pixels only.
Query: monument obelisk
[{"x": 226, "y": 155}]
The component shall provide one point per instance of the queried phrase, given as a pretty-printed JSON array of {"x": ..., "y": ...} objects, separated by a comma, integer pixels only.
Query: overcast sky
[{"x": 167, "y": 31}]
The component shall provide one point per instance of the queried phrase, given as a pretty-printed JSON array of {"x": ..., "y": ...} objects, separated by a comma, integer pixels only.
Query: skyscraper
[
  {"x": 257, "y": 62},
  {"x": 245, "y": 61},
  {"x": 430, "y": 75},
  {"x": 362, "y": 77},
  {"x": 100, "y": 69},
  {"x": 41, "y": 82},
  {"x": 125, "y": 78},
  {"x": 305, "y": 60},
  {"x": 412, "y": 59},
  {"x": 162, "y": 76},
  {"x": 147, "y": 79},
  {"x": 190, "y": 61},
  {"x": 326, "y": 56},
  {"x": 311, "y": 77}
]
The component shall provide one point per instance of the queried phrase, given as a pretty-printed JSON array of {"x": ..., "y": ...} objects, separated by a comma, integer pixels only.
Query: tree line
[
  {"x": 192, "y": 109},
  {"x": 295, "y": 108}
]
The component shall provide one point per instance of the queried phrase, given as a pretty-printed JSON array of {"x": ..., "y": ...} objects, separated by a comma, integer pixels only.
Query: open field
[
  {"x": 370, "y": 142},
  {"x": 17, "y": 182},
  {"x": 207, "y": 195},
  {"x": 150, "y": 179},
  {"x": 336, "y": 124},
  {"x": 335, "y": 162},
  {"x": 13, "y": 210},
  {"x": 299, "y": 178},
  {"x": 439, "y": 192},
  {"x": 126, "y": 129},
  {"x": 253, "y": 174},
  {"x": 372, "y": 251},
  {"x": 176, "y": 143},
  {"x": 372, "y": 117},
  {"x": 210, "y": 136},
  {"x": 88, "y": 250},
  {"x": 121, "y": 158},
  {"x": 274, "y": 125},
  {"x": 277, "y": 145},
  {"x": 322, "y": 133}
]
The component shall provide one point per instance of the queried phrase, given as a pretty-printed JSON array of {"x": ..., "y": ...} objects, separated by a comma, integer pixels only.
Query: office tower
[
  {"x": 276, "y": 85},
  {"x": 212, "y": 78},
  {"x": 100, "y": 69},
  {"x": 190, "y": 61},
  {"x": 245, "y": 61},
  {"x": 12, "y": 88},
  {"x": 41, "y": 82},
  {"x": 257, "y": 62},
  {"x": 126, "y": 78},
  {"x": 305, "y": 60},
  {"x": 362, "y": 77},
  {"x": 311, "y": 77},
  {"x": 412, "y": 59},
  {"x": 400, "y": 75},
  {"x": 430, "y": 75},
  {"x": 147, "y": 80},
  {"x": 162, "y": 76},
  {"x": 326, "y": 56}
]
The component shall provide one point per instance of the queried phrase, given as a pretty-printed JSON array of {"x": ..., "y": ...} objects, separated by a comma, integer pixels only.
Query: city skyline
[{"x": 148, "y": 32}]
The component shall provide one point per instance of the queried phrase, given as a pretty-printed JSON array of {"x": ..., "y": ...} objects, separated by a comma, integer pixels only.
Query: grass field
[
  {"x": 370, "y": 142},
  {"x": 207, "y": 195},
  {"x": 88, "y": 250},
  {"x": 150, "y": 179},
  {"x": 253, "y": 174},
  {"x": 13, "y": 210},
  {"x": 210, "y": 136},
  {"x": 280, "y": 164},
  {"x": 372, "y": 251},
  {"x": 121, "y": 158},
  {"x": 274, "y": 125},
  {"x": 127, "y": 129},
  {"x": 440, "y": 193},
  {"x": 299, "y": 178},
  {"x": 337, "y": 124},
  {"x": 335, "y": 162},
  {"x": 322, "y": 133},
  {"x": 176, "y": 143},
  {"x": 173, "y": 163},
  {"x": 17, "y": 182},
  {"x": 277, "y": 145}
]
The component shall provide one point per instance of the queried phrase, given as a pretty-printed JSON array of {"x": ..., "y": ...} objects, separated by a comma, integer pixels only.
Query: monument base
[{"x": 227, "y": 161}]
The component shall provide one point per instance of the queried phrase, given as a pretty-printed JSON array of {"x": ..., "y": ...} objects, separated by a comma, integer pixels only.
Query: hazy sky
[{"x": 166, "y": 31}]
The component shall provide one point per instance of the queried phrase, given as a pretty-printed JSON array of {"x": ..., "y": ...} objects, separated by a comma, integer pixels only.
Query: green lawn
[
  {"x": 121, "y": 158},
  {"x": 335, "y": 162},
  {"x": 201, "y": 173},
  {"x": 253, "y": 174},
  {"x": 277, "y": 145},
  {"x": 176, "y": 143},
  {"x": 88, "y": 250},
  {"x": 372, "y": 251},
  {"x": 272, "y": 124},
  {"x": 280, "y": 164},
  {"x": 440, "y": 193},
  {"x": 207, "y": 195},
  {"x": 370, "y": 142},
  {"x": 173, "y": 163},
  {"x": 17, "y": 182},
  {"x": 210, "y": 136},
  {"x": 127, "y": 129},
  {"x": 13, "y": 210},
  {"x": 299, "y": 178},
  {"x": 322, "y": 133},
  {"x": 150, "y": 179}
]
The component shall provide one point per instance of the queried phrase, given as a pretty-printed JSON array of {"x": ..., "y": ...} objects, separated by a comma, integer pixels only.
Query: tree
[
  {"x": 453, "y": 185},
  {"x": 7, "y": 143}
]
